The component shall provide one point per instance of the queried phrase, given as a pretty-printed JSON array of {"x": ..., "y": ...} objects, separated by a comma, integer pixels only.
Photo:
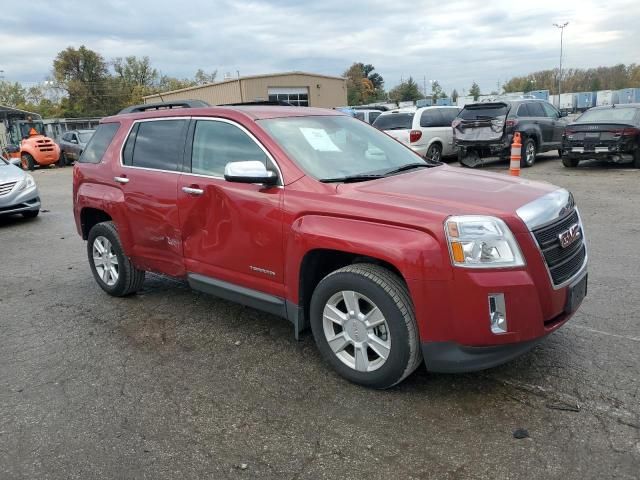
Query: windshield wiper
[
  {"x": 411, "y": 166},
  {"x": 361, "y": 177}
]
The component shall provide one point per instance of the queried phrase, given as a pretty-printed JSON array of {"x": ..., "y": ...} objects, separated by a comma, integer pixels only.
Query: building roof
[
  {"x": 5, "y": 109},
  {"x": 248, "y": 77}
]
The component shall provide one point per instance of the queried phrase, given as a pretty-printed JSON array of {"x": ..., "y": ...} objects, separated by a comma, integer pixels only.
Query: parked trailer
[
  {"x": 585, "y": 100},
  {"x": 629, "y": 95},
  {"x": 444, "y": 102},
  {"x": 462, "y": 101},
  {"x": 554, "y": 100},
  {"x": 606, "y": 97},
  {"x": 540, "y": 94},
  {"x": 568, "y": 102}
]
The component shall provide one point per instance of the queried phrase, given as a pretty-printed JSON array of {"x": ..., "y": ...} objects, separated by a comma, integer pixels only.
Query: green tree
[
  {"x": 436, "y": 91},
  {"x": 406, "y": 91},
  {"x": 12, "y": 94},
  {"x": 363, "y": 84},
  {"x": 454, "y": 96},
  {"x": 202, "y": 78},
  {"x": 83, "y": 74},
  {"x": 474, "y": 91}
]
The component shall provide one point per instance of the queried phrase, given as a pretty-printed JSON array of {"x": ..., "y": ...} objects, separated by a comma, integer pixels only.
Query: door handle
[
  {"x": 192, "y": 190},
  {"x": 121, "y": 179}
]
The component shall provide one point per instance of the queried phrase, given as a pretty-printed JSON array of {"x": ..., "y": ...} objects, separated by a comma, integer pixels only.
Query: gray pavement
[{"x": 176, "y": 384}]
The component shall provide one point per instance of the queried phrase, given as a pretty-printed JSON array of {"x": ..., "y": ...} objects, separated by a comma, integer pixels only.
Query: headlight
[
  {"x": 477, "y": 241},
  {"x": 28, "y": 182}
]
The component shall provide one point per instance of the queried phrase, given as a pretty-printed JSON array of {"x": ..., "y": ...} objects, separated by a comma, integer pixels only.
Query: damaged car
[{"x": 483, "y": 132}]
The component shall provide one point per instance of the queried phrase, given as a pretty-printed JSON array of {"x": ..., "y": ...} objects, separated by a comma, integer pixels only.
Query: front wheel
[
  {"x": 570, "y": 162},
  {"x": 363, "y": 322},
  {"x": 111, "y": 267},
  {"x": 27, "y": 162},
  {"x": 528, "y": 153}
]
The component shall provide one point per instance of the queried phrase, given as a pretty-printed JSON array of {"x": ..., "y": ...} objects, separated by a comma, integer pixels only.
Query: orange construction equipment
[{"x": 516, "y": 155}]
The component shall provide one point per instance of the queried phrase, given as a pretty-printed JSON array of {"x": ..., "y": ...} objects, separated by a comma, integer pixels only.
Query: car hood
[
  {"x": 445, "y": 191},
  {"x": 10, "y": 173}
]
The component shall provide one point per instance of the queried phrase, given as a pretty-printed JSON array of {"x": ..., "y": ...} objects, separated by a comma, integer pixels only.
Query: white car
[
  {"x": 426, "y": 130},
  {"x": 367, "y": 115}
]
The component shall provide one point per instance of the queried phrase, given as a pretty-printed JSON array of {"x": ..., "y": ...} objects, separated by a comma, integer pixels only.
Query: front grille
[
  {"x": 5, "y": 188},
  {"x": 45, "y": 145},
  {"x": 563, "y": 263}
]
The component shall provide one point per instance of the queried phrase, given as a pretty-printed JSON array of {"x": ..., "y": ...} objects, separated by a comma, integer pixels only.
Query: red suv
[{"x": 319, "y": 218}]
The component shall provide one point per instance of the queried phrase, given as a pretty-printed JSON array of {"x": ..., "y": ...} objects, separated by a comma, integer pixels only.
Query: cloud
[{"x": 454, "y": 42}]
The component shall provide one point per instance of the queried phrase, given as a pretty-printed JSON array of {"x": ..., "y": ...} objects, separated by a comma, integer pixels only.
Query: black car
[
  {"x": 610, "y": 133},
  {"x": 484, "y": 131}
]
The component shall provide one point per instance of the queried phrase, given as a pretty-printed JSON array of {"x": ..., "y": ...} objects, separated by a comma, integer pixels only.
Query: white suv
[{"x": 425, "y": 130}]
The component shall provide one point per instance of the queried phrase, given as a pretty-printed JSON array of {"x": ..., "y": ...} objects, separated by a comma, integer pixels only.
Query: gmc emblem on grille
[{"x": 569, "y": 236}]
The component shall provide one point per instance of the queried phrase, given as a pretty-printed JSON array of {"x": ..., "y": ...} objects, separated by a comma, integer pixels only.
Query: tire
[
  {"x": 27, "y": 162},
  {"x": 395, "y": 352},
  {"x": 63, "y": 161},
  {"x": 560, "y": 154},
  {"x": 528, "y": 154},
  {"x": 434, "y": 152},
  {"x": 31, "y": 213},
  {"x": 128, "y": 278},
  {"x": 570, "y": 162}
]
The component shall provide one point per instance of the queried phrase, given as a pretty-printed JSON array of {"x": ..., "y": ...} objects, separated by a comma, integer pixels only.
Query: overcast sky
[{"x": 454, "y": 42}]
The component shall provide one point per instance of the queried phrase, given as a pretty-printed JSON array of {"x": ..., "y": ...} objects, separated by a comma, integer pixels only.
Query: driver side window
[
  {"x": 550, "y": 111},
  {"x": 217, "y": 143}
]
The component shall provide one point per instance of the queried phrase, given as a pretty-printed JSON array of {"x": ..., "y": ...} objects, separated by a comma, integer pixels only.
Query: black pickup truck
[{"x": 484, "y": 131}]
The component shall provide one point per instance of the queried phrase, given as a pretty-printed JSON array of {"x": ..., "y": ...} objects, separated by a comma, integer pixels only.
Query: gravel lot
[{"x": 176, "y": 384}]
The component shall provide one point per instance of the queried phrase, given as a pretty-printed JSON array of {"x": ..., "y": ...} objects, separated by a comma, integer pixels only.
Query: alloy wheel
[
  {"x": 105, "y": 260},
  {"x": 356, "y": 331}
]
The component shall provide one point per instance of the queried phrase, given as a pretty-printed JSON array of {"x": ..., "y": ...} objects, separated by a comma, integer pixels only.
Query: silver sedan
[{"x": 18, "y": 191}]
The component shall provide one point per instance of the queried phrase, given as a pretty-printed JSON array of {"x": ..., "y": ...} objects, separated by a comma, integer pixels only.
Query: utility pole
[{"x": 561, "y": 27}]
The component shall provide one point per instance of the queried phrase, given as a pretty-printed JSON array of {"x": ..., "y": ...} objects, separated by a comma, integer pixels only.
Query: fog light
[{"x": 497, "y": 313}]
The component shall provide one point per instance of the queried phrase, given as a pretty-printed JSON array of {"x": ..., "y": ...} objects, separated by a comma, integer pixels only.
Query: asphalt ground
[{"x": 171, "y": 383}]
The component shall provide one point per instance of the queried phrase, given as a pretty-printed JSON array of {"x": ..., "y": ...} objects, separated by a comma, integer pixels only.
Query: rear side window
[
  {"x": 99, "y": 143},
  {"x": 483, "y": 112},
  {"x": 217, "y": 143},
  {"x": 448, "y": 115},
  {"x": 523, "y": 110},
  {"x": 360, "y": 115},
  {"x": 535, "y": 110},
  {"x": 373, "y": 116},
  {"x": 431, "y": 118},
  {"x": 394, "y": 121},
  {"x": 156, "y": 144}
]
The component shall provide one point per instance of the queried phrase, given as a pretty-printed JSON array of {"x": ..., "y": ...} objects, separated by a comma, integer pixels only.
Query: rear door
[
  {"x": 448, "y": 116},
  {"x": 148, "y": 176},
  {"x": 230, "y": 231}
]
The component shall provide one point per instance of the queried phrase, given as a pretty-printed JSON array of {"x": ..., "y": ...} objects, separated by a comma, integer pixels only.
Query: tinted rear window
[
  {"x": 609, "y": 115},
  {"x": 394, "y": 121},
  {"x": 99, "y": 143},
  {"x": 475, "y": 113},
  {"x": 159, "y": 144}
]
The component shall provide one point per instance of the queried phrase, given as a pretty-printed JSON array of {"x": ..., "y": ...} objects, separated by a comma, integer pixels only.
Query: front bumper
[
  {"x": 450, "y": 357},
  {"x": 20, "y": 201}
]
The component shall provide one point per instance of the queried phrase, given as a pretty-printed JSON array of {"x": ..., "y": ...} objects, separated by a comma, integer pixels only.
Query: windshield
[
  {"x": 608, "y": 115},
  {"x": 394, "y": 121},
  {"x": 482, "y": 112},
  {"x": 25, "y": 128},
  {"x": 336, "y": 146},
  {"x": 85, "y": 136}
]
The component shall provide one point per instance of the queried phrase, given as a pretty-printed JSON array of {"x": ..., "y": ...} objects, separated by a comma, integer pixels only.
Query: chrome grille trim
[{"x": 5, "y": 188}]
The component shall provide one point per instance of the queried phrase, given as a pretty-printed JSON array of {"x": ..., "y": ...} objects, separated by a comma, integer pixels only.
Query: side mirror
[
  {"x": 563, "y": 114},
  {"x": 251, "y": 171}
]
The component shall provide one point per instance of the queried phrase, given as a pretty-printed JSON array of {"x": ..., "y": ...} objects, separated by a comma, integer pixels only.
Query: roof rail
[
  {"x": 277, "y": 103},
  {"x": 164, "y": 105}
]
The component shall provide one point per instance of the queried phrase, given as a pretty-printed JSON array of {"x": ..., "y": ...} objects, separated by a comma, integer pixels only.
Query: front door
[
  {"x": 230, "y": 231},
  {"x": 536, "y": 111},
  {"x": 148, "y": 177},
  {"x": 558, "y": 123}
]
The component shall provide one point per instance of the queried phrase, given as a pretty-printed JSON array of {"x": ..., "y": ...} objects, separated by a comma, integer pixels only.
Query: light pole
[{"x": 561, "y": 27}]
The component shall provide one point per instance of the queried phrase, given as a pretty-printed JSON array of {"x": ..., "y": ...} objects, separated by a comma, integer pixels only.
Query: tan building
[{"x": 297, "y": 88}]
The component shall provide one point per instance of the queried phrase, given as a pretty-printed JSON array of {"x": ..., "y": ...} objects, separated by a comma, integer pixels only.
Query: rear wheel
[
  {"x": 528, "y": 153},
  {"x": 570, "y": 162},
  {"x": 111, "y": 267},
  {"x": 435, "y": 152},
  {"x": 27, "y": 162},
  {"x": 364, "y": 325}
]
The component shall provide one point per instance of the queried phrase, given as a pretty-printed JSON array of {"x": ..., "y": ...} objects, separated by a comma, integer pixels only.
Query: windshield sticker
[{"x": 319, "y": 139}]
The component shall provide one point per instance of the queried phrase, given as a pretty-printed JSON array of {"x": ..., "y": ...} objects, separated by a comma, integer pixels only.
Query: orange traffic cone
[{"x": 516, "y": 150}]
